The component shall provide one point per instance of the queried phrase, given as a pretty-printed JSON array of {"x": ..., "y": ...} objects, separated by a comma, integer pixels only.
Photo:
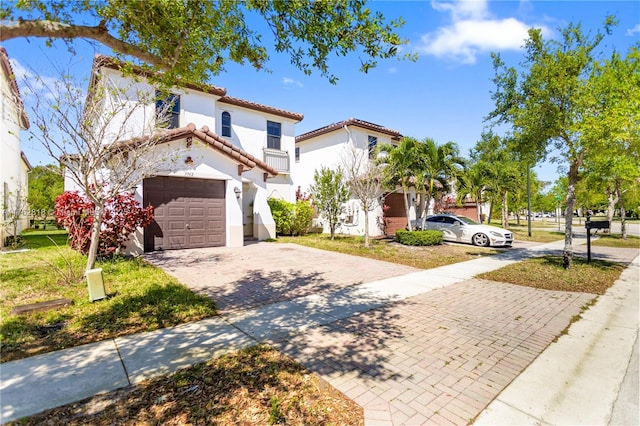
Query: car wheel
[{"x": 480, "y": 240}]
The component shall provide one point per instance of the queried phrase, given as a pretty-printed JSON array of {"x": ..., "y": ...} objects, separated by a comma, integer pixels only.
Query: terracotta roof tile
[
  {"x": 11, "y": 78},
  {"x": 259, "y": 107},
  {"x": 118, "y": 65},
  {"x": 395, "y": 135},
  {"x": 212, "y": 140},
  {"x": 113, "y": 63}
]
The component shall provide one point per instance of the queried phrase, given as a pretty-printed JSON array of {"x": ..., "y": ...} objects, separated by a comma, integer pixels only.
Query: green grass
[
  {"x": 141, "y": 298},
  {"x": 547, "y": 273},
  {"x": 615, "y": 240},
  {"x": 386, "y": 249},
  {"x": 537, "y": 235}
]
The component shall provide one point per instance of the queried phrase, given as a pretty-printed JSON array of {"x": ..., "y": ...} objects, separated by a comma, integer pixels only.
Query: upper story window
[
  {"x": 226, "y": 124},
  {"x": 297, "y": 154},
  {"x": 373, "y": 141},
  {"x": 168, "y": 110},
  {"x": 274, "y": 133}
]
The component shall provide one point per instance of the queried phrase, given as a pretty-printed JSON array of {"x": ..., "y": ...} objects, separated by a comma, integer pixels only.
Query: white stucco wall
[
  {"x": 332, "y": 150},
  {"x": 13, "y": 170},
  {"x": 249, "y": 132}
]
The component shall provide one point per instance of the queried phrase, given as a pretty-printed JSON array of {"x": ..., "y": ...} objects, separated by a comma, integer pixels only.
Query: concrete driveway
[{"x": 265, "y": 273}]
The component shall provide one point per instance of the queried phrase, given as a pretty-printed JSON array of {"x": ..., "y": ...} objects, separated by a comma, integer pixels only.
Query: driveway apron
[
  {"x": 265, "y": 273},
  {"x": 439, "y": 357}
]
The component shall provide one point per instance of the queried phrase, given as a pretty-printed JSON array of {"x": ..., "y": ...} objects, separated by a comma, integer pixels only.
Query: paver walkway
[
  {"x": 429, "y": 346},
  {"x": 440, "y": 357}
]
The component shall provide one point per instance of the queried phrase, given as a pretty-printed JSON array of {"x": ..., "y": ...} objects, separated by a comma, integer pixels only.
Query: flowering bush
[{"x": 122, "y": 215}]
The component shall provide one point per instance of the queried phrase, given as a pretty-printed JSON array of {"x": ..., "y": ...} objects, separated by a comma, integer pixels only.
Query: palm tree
[
  {"x": 473, "y": 184},
  {"x": 401, "y": 167},
  {"x": 437, "y": 166}
]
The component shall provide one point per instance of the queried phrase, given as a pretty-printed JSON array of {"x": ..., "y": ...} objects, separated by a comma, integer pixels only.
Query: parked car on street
[{"x": 461, "y": 229}]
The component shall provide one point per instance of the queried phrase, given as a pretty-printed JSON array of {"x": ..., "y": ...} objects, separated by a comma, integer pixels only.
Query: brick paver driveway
[
  {"x": 437, "y": 358},
  {"x": 264, "y": 273}
]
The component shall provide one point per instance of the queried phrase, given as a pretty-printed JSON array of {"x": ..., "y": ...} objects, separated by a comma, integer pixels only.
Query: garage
[
  {"x": 395, "y": 216},
  {"x": 189, "y": 213}
]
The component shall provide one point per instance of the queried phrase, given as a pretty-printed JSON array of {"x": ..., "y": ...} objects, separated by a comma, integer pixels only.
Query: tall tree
[
  {"x": 365, "y": 180},
  {"x": 615, "y": 93},
  {"x": 89, "y": 134},
  {"x": 401, "y": 165},
  {"x": 473, "y": 184},
  {"x": 547, "y": 103},
  {"x": 192, "y": 40},
  {"x": 438, "y": 166},
  {"x": 329, "y": 192},
  {"x": 503, "y": 173},
  {"x": 45, "y": 184}
]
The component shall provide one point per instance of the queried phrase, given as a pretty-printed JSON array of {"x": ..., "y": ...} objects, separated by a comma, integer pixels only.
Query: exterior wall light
[{"x": 237, "y": 191}]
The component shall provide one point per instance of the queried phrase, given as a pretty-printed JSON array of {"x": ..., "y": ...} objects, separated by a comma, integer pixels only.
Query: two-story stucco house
[
  {"x": 331, "y": 146},
  {"x": 230, "y": 156},
  {"x": 14, "y": 166}
]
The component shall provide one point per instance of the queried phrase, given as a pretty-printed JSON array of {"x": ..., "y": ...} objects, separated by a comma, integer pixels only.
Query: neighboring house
[
  {"x": 231, "y": 154},
  {"x": 331, "y": 146},
  {"x": 14, "y": 166}
]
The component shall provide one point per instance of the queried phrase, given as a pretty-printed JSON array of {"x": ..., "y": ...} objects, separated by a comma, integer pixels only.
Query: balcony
[{"x": 277, "y": 159}]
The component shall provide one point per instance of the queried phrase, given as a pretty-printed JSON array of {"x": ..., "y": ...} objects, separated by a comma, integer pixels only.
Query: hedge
[{"x": 419, "y": 238}]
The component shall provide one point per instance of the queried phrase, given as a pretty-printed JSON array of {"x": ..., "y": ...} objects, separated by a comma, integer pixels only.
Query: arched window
[{"x": 226, "y": 124}]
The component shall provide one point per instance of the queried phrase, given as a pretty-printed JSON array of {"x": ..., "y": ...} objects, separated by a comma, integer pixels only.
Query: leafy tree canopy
[
  {"x": 45, "y": 184},
  {"x": 191, "y": 40}
]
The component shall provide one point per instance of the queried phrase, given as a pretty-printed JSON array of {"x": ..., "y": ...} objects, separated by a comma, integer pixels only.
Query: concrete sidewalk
[{"x": 34, "y": 384}]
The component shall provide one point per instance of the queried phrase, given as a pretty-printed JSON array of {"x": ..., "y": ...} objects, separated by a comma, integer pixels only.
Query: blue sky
[{"x": 444, "y": 95}]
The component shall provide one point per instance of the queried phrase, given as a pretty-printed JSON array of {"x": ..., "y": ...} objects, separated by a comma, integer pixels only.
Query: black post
[
  {"x": 587, "y": 225},
  {"x": 529, "y": 199}
]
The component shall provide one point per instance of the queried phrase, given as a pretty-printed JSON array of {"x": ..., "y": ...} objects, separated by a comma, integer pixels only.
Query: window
[
  {"x": 168, "y": 110},
  {"x": 373, "y": 141},
  {"x": 226, "y": 124},
  {"x": 273, "y": 135},
  {"x": 297, "y": 154}
]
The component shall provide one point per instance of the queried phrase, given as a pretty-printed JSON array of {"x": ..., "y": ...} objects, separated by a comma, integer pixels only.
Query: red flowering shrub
[{"x": 121, "y": 217}]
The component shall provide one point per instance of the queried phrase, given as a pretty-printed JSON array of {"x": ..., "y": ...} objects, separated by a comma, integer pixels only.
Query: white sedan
[{"x": 461, "y": 229}]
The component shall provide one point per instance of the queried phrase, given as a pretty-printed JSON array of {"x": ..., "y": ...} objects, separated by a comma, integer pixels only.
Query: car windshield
[{"x": 466, "y": 220}]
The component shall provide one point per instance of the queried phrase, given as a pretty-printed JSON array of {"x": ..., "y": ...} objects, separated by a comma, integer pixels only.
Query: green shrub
[
  {"x": 303, "y": 217},
  {"x": 291, "y": 219},
  {"x": 419, "y": 238},
  {"x": 283, "y": 213}
]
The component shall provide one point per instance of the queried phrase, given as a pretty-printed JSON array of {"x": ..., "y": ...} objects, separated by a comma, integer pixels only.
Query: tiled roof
[
  {"x": 209, "y": 138},
  {"x": 26, "y": 161},
  {"x": 263, "y": 108},
  {"x": 11, "y": 78},
  {"x": 113, "y": 63},
  {"x": 395, "y": 135}
]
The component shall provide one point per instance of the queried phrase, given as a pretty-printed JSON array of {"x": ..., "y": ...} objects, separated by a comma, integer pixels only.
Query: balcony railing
[{"x": 277, "y": 159}]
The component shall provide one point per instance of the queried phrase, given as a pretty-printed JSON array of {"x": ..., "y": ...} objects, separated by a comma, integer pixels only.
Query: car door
[
  {"x": 434, "y": 222},
  {"x": 450, "y": 228}
]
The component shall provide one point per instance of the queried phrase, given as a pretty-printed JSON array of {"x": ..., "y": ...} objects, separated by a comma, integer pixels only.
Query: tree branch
[{"x": 52, "y": 29}]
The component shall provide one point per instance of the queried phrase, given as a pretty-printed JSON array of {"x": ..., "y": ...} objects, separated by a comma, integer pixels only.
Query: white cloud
[
  {"x": 473, "y": 31},
  {"x": 291, "y": 82},
  {"x": 632, "y": 31}
]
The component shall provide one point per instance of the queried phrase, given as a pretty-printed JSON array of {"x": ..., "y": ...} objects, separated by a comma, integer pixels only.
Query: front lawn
[
  {"x": 547, "y": 273},
  {"x": 615, "y": 240},
  {"x": 386, "y": 249},
  {"x": 255, "y": 386},
  {"x": 141, "y": 298}
]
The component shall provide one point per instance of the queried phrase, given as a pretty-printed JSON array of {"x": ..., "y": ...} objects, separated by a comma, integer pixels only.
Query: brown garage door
[
  {"x": 189, "y": 213},
  {"x": 395, "y": 217}
]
